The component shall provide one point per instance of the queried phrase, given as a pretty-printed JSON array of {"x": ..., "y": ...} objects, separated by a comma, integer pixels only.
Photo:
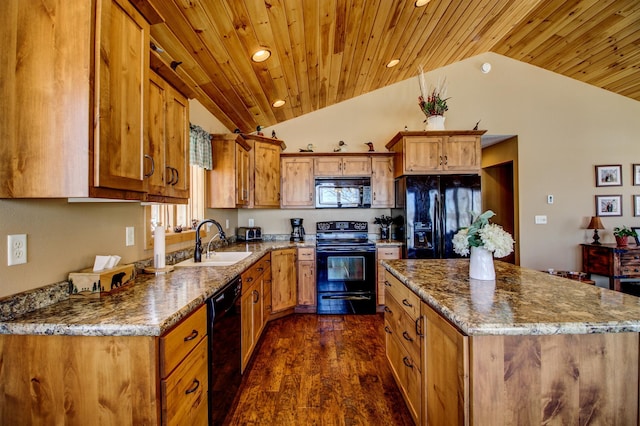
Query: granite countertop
[
  {"x": 520, "y": 302},
  {"x": 148, "y": 307}
]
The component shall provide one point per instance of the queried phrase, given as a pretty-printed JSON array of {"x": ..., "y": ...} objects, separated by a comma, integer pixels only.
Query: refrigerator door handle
[{"x": 436, "y": 227}]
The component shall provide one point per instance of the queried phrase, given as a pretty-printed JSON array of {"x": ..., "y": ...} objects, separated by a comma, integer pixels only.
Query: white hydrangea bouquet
[{"x": 481, "y": 233}]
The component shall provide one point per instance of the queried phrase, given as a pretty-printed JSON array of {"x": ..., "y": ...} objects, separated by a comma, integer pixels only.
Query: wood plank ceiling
[{"x": 328, "y": 51}]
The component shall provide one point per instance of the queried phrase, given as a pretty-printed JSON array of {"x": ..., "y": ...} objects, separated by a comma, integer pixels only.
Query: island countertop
[
  {"x": 149, "y": 307},
  {"x": 520, "y": 302}
]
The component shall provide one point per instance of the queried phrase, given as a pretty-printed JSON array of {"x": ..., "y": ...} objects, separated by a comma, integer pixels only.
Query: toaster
[{"x": 250, "y": 233}]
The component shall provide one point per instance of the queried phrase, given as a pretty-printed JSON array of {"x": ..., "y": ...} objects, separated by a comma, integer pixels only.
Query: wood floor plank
[{"x": 320, "y": 370}]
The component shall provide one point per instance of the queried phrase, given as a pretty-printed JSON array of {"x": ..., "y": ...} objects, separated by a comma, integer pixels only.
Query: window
[{"x": 173, "y": 215}]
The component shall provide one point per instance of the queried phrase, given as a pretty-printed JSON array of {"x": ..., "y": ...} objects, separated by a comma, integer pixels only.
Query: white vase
[
  {"x": 481, "y": 264},
  {"x": 435, "y": 122}
]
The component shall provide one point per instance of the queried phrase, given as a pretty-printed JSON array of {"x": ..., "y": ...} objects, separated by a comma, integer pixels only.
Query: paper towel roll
[{"x": 158, "y": 248}]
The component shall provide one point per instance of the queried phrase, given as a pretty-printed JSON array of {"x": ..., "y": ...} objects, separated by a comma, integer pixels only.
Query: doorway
[{"x": 500, "y": 188}]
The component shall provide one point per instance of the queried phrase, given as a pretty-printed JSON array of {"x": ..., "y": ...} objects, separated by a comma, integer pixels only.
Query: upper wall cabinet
[
  {"x": 297, "y": 182},
  {"x": 166, "y": 154},
  {"x": 75, "y": 103},
  {"x": 249, "y": 164},
  {"x": 436, "y": 152},
  {"x": 342, "y": 165}
]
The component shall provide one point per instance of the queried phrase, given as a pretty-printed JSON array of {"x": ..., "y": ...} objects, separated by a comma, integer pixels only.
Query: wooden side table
[{"x": 611, "y": 261}]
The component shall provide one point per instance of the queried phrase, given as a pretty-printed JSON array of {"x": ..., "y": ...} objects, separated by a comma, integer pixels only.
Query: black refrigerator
[{"x": 431, "y": 209}]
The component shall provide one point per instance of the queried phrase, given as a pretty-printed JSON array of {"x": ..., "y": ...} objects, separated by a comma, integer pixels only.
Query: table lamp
[{"x": 595, "y": 224}]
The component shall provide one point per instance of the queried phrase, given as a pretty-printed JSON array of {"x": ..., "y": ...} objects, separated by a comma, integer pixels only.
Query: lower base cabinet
[
  {"x": 107, "y": 380},
  {"x": 252, "y": 306},
  {"x": 306, "y": 280}
]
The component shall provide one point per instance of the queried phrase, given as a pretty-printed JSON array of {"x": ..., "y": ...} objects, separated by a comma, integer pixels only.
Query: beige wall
[{"x": 564, "y": 128}]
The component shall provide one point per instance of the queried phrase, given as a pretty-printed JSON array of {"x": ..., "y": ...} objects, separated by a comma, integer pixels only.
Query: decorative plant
[
  {"x": 432, "y": 101},
  {"x": 383, "y": 221},
  {"x": 481, "y": 233},
  {"x": 624, "y": 231}
]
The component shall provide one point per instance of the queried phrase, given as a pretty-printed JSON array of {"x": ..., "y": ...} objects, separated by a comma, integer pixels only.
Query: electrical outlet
[
  {"x": 226, "y": 224},
  {"x": 541, "y": 220},
  {"x": 16, "y": 249},
  {"x": 130, "y": 236}
]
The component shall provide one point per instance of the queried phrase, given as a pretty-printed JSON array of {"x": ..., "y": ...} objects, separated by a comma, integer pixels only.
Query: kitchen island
[{"x": 529, "y": 348}]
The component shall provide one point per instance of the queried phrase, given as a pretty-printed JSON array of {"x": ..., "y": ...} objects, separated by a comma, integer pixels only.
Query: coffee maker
[{"x": 297, "y": 230}]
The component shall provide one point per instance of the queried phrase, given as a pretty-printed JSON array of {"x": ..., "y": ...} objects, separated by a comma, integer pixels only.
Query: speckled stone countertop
[
  {"x": 520, "y": 302},
  {"x": 149, "y": 307}
]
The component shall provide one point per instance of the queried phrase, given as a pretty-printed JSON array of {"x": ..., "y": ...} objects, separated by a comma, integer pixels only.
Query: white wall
[{"x": 564, "y": 128}]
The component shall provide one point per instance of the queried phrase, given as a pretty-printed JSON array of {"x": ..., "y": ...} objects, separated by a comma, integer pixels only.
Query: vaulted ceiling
[{"x": 328, "y": 51}]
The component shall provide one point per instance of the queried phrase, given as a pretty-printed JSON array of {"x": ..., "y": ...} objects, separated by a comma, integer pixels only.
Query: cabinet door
[
  {"x": 297, "y": 182},
  {"x": 121, "y": 92},
  {"x": 422, "y": 154},
  {"x": 247, "y": 318},
  {"x": 461, "y": 153},
  {"x": 266, "y": 175},
  {"x": 177, "y": 144},
  {"x": 154, "y": 154},
  {"x": 283, "y": 280},
  {"x": 327, "y": 166},
  {"x": 242, "y": 176},
  {"x": 445, "y": 357},
  {"x": 382, "y": 184},
  {"x": 356, "y": 166},
  {"x": 257, "y": 310},
  {"x": 307, "y": 283}
]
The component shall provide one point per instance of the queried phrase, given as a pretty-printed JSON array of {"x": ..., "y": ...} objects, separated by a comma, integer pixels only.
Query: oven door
[{"x": 346, "y": 280}]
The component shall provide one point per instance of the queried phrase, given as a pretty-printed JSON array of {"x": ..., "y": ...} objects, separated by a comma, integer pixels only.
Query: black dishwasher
[{"x": 225, "y": 356}]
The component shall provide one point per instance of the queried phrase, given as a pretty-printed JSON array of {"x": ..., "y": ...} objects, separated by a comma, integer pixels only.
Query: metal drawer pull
[
  {"x": 259, "y": 269},
  {"x": 406, "y": 336},
  {"x": 249, "y": 279},
  {"x": 387, "y": 329},
  {"x": 192, "y": 336},
  {"x": 387, "y": 310},
  {"x": 256, "y": 296},
  {"x": 407, "y": 362},
  {"x": 153, "y": 165},
  {"x": 419, "y": 327},
  {"x": 405, "y": 302},
  {"x": 387, "y": 283},
  {"x": 193, "y": 388}
]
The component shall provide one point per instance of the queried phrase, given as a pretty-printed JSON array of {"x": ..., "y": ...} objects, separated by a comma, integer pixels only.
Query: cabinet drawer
[
  {"x": 252, "y": 274},
  {"x": 389, "y": 253},
  {"x": 630, "y": 270},
  {"x": 306, "y": 253},
  {"x": 406, "y": 371},
  {"x": 410, "y": 301},
  {"x": 184, "y": 392},
  {"x": 404, "y": 327},
  {"x": 629, "y": 259},
  {"x": 181, "y": 339}
]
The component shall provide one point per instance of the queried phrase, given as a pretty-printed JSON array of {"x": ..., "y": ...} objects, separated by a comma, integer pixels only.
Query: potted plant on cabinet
[{"x": 622, "y": 234}]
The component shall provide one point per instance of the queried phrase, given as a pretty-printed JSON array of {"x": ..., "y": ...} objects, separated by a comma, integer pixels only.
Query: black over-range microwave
[{"x": 332, "y": 193}]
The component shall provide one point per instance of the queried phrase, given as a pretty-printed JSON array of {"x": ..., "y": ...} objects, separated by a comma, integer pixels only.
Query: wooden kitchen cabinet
[
  {"x": 359, "y": 165},
  {"x": 283, "y": 280},
  {"x": 266, "y": 175},
  {"x": 382, "y": 182},
  {"x": 306, "y": 280},
  {"x": 252, "y": 304},
  {"x": 298, "y": 185},
  {"x": 436, "y": 152},
  {"x": 227, "y": 183},
  {"x": 167, "y": 152},
  {"x": 184, "y": 371},
  {"x": 86, "y": 103},
  {"x": 611, "y": 261},
  {"x": 108, "y": 380},
  {"x": 384, "y": 252},
  {"x": 402, "y": 321}
]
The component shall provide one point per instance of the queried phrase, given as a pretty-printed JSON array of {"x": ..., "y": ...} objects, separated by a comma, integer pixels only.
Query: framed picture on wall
[
  {"x": 608, "y": 205},
  {"x": 637, "y": 235},
  {"x": 610, "y": 175},
  {"x": 636, "y": 174},
  {"x": 636, "y": 205}
]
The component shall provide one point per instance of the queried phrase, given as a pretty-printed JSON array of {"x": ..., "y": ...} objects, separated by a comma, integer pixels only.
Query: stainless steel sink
[{"x": 222, "y": 258}]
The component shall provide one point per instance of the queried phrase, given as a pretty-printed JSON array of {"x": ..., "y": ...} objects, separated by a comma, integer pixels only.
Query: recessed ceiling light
[
  {"x": 392, "y": 63},
  {"x": 420, "y": 3},
  {"x": 278, "y": 103},
  {"x": 261, "y": 55}
]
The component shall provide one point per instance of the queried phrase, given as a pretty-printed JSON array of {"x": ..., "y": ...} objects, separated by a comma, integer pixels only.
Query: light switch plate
[{"x": 541, "y": 220}]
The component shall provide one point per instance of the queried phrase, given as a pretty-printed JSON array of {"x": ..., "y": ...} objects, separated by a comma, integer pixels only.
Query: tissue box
[{"x": 86, "y": 283}]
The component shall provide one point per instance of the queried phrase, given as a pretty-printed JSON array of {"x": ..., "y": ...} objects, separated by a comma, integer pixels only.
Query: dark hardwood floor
[{"x": 320, "y": 370}]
